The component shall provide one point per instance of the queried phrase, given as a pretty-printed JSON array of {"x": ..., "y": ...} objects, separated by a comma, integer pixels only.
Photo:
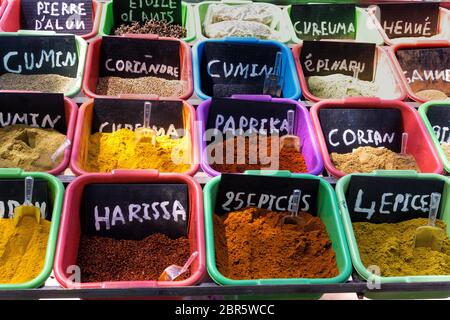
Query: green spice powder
[{"x": 390, "y": 246}]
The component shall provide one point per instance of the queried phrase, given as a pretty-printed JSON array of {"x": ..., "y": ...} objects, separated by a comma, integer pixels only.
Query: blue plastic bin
[{"x": 291, "y": 85}]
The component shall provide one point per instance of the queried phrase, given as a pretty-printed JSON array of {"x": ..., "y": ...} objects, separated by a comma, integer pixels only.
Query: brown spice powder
[
  {"x": 253, "y": 244},
  {"x": 50, "y": 83},
  {"x": 161, "y": 28},
  {"x": 106, "y": 259}
]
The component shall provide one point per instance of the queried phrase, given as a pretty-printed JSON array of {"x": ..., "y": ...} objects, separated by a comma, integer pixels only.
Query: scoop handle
[
  {"x": 147, "y": 114},
  {"x": 434, "y": 208},
  {"x": 291, "y": 120},
  {"x": 277, "y": 65},
  {"x": 29, "y": 182},
  {"x": 189, "y": 262},
  {"x": 60, "y": 150},
  {"x": 294, "y": 204},
  {"x": 404, "y": 143}
]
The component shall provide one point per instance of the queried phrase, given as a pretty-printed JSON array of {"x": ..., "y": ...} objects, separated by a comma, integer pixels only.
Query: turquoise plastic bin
[
  {"x": 81, "y": 48},
  {"x": 341, "y": 189},
  {"x": 327, "y": 210},
  {"x": 291, "y": 85}
]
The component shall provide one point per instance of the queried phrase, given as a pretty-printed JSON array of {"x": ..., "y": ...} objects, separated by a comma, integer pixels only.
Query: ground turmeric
[
  {"x": 390, "y": 246},
  {"x": 254, "y": 244},
  {"x": 22, "y": 249},
  {"x": 122, "y": 150}
]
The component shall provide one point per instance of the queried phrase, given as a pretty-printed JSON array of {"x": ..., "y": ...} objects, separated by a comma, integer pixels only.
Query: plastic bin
[
  {"x": 417, "y": 45},
  {"x": 386, "y": 76},
  {"x": 328, "y": 212},
  {"x": 10, "y": 21},
  {"x": 81, "y": 51},
  {"x": 443, "y": 28},
  {"x": 341, "y": 189},
  {"x": 365, "y": 28},
  {"x": 91, "y": 74},
  {"x": 69, "y": 236},
  {"x": 107, "y": 23},
  {"x": 83, "y": 131},
  {"x": 419, "y": 143},
  {"x": 303, "y": 129},
  {"x": 423, "y": 114},
  {"x": 291, "y": 87},
  {"x": 279, "y": 23},
  {"x": 56, "y": 192},
  {"x": 71, "y": 111}
]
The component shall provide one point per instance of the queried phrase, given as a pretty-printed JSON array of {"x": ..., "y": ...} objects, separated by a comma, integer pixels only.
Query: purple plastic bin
[{"x": 303, "y": 129}]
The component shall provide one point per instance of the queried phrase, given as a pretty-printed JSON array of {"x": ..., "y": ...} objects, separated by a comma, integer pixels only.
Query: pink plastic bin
[
  {"x": 419, "y": 142},
  {"x": 83, "y": 131},
  {"x": 443, "y": 28},
  {"x": 70, "y": 229},
  {"x": 417, "y": 45},
  {"x": 71, "y": 110},
  {"x": 10, "y": 20},
  {"x": 385, "y": 76},
  {"x": 91, "y": 71}
]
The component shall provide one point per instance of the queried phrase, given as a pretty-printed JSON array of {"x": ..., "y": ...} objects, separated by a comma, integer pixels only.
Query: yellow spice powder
[
  {"x": 22, "y": 249},
  {"x": 122, "y": 150}
]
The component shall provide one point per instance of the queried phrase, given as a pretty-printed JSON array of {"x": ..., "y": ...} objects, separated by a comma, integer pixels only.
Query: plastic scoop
[
  {"x": 273, "y": 83},
  {"x": 294, "y": 206},
  {"x": 355, "y": 72},
  {"x": 60, "y": 150},
  {"x": 27, "y": 209},
  {"x": 431, "y": 236},
  {"x": 146, "y": 134},
  {"x": 173, "y": 271},
  {"x": 404, "y": 143},
  {"x": 290, "y": 140}
]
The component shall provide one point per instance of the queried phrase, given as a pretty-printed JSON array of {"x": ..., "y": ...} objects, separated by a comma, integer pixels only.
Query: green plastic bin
[
  {"x": 280, "y": 23},
  {"x": 327, "y": 210},
  {"x": 423, "y": 114},
  {"x": 341, "y": 189},
  {"x": 107, "y": 20},
  {"x": 81, "y": 48},
  {"x": 56, "y": 190},
  {"x": 366, "y": 31}
]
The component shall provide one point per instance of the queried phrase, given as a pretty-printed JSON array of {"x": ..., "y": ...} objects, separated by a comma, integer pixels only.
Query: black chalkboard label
[
  {"x": 42, "y": 110},
  {"x": 12, "y": 194},
  {"x": 412, "y": 20},
  {"x": 110, "y": 115},
  {"x": 135, "y": 58},
  {"x": 70, "y": 16},
  {"x": 127, "y": 11},
  {"x": 426, "y": 68},
  {"x": 322, "y": 58},
  {"x": 439, "y": 117},
  {"x": 39, "y": 55},
  {"x": 135, "y": 211},
  {"x": 324, "y": 21},
  {"x": 348, "y": 129},
  {"x": 237, "y": 191},
  {"x": 389, "y": 200},
  {"x": 249, "y": 116},
  {"x": 227, "y": 65}
]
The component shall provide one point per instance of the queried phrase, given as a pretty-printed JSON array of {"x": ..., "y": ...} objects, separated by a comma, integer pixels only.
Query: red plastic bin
[
  {"x": 419, "y": 142},
  {"x": 70, "y": 229},
  {"x": 417, "y": 45},
  {"x": 83, "y": 131},
  {"x": 383, "y": 66},
  {"x": 91, "y": 72},
  {"x": 71, "y": 111},
  {"x": 10, "y": 20}
]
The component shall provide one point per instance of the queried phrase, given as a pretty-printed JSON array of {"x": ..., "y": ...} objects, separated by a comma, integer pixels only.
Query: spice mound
[
  {"x": 159, "y": 27},
  {"x": 50, "y": 83},
  {"x": 368, "y": 159},
  {"x": 29, "y": 148},
  {"x": 254, "y": 244},
  {"x": 22, "y": 249},
  {"x": 122, "y": 150},
  {"x": 338, "y": 86},
  {"x": 107, "y": 259},
  {"x": 114, "y": 86},
  {"x": 431, "y": 94},
  {"x": 446, "y": 147},
  {"x": 390, "y": 246},
  {"x": 258, "y": 154}
]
